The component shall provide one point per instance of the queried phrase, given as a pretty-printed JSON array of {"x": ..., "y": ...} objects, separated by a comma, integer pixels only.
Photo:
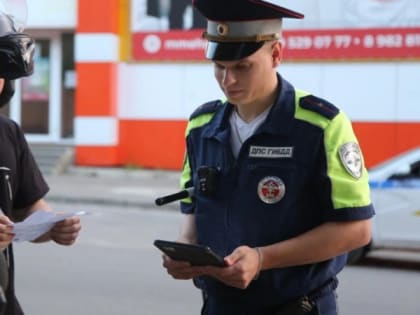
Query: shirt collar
[{"x": 279, "y": 120}]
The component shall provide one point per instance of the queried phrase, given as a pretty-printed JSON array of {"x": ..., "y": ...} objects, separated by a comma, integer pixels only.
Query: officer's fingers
[
  {"x": 247, "y": 266},
  {"x": 241, "y": 271},
  {"x": 180, "y": 269},
  {"x": 231, "y": 276},
  {"x": 174, "y": 264},
  {"x": 187, "y": 273},
  {"x": 221, "y": 273},
  {"x": 238, "y": 254},
  {"x": 169, "y": 263}
]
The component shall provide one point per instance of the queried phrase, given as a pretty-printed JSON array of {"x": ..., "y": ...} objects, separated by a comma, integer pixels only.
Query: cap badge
[
  {"x": 222, "y": 29},
  {"x": 271, "y": 189},
  {"x": 351, "y": 157}
]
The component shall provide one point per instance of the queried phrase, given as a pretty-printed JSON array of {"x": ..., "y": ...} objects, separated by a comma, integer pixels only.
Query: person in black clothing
[{"x": 22, "y": 186}]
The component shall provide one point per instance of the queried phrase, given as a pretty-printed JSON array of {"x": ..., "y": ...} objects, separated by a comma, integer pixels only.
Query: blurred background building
[{"x": 115, "y": 80}]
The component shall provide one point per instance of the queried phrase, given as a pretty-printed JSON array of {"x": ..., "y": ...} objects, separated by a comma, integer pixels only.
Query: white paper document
[{"x": 39, "y": 223}]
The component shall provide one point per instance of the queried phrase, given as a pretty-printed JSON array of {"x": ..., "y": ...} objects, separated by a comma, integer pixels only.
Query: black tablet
[{"x": 197, "y": 255}]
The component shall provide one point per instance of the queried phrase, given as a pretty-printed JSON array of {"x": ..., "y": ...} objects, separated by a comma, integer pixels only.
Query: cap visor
[{"x": 231, "y": 51}]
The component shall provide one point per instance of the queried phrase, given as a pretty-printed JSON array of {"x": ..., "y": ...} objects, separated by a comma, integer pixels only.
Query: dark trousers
[
  {"x": 321, "y": 301},
  {"x": 323, "y": 305}
]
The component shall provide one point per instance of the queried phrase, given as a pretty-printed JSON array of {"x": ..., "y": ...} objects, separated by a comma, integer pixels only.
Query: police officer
[
  {"x": 291, "y": 195},
  {"x": 22, "y": 186}
]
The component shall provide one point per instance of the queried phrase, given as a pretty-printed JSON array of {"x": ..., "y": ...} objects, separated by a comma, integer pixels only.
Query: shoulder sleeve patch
[
  {"x": 319, "y": 106},
  {"x": 206, "y": 108}
]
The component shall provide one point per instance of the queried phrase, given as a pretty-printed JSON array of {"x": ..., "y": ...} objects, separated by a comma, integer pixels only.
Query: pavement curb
[
  {"x": 116, "y": 187},
  {"x": 121, "y": 203}
]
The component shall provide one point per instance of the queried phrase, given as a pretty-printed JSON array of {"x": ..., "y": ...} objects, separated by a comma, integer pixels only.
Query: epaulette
[
  {"x": 319, "y": 106},
  {"x": 209, "y": 107}
]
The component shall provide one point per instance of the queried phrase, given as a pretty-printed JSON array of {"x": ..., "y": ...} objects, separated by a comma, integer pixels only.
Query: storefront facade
[{"x": 119, "y": 78}]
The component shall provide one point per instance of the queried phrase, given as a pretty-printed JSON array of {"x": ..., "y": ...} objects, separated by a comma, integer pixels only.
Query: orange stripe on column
[
  {"x": 96, "y": 89},
  {"x": 153, "y": 143},
  {"x": 97, "y": 81},
  {"x": 98, "y": 16}
]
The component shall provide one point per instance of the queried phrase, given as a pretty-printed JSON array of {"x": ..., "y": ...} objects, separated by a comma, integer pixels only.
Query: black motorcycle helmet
[{"x": 16, "y": 50}]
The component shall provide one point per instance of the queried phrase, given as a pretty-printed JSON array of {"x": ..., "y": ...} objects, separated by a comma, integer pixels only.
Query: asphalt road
[{"x": 114, "y": 269}]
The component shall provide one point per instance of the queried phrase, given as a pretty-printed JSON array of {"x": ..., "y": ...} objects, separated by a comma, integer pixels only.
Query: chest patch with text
[{"x": 270, "y": 152}]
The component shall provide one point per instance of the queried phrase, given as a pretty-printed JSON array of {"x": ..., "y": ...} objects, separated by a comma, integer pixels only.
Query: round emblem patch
[
  {"x": 351, "y": 158},
  {"x": 222, "y": 29},
  {"x": 271, "y": 189}
]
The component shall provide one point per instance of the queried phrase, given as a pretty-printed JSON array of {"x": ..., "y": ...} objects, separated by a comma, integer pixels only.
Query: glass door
[
  {"x": 35, "y": 92},
  {"x": 39, "y": 95}
]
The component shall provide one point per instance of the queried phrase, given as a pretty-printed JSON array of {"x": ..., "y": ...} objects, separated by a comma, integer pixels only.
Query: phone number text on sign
[{"x": 366, "y": 43}]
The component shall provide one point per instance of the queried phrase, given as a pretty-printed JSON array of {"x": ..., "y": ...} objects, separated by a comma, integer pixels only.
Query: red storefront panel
[{"x": 301, "y": 45}]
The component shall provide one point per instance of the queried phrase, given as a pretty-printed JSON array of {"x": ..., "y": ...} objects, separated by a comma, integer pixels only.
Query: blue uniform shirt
[{"x": 300, "y": 169}]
